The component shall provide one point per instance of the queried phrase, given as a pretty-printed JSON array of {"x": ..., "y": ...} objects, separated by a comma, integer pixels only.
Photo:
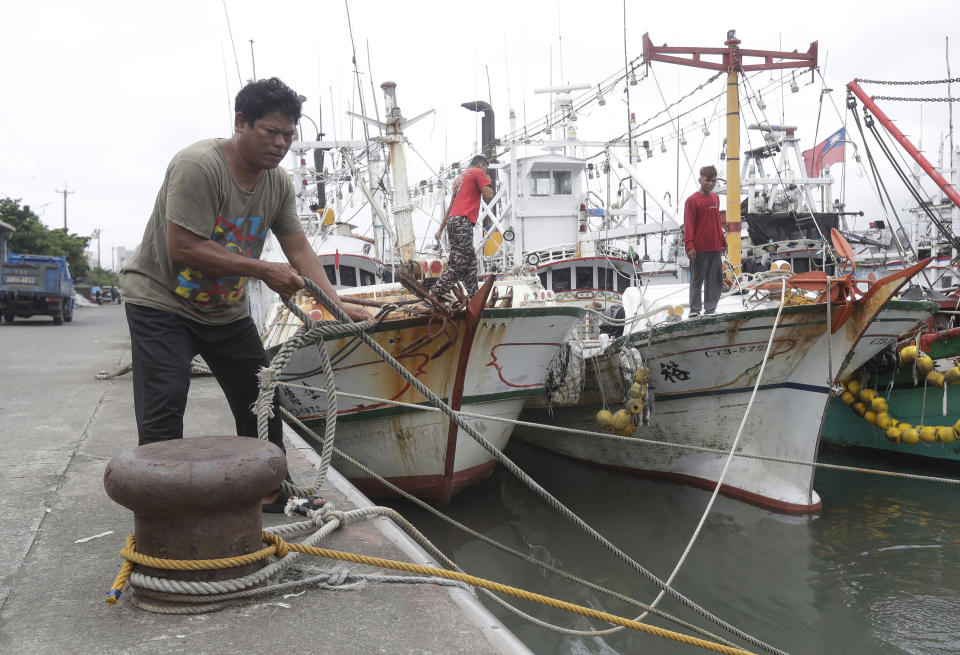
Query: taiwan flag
[{"x": 826, "y": 153}]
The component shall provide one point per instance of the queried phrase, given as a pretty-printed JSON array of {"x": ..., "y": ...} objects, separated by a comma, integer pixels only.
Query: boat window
[
  {"x": 367, "y": 278},
  {"x": 540, "y": 183},
  {"x": 562, "y": 183},
  {"x": 585, "y": 277},
  {"x": 623, "y": 283},
  {"x": 561, "y": 279},
  {"x": 543, "y": 279},
  {"x": 348, "y": 276},
  {"x": 331, "y": 272},
  {"x": 605, "y": 278}
]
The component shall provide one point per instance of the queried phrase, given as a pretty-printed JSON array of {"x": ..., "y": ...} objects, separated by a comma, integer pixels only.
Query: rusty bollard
[{"x": 197, "y": 498}]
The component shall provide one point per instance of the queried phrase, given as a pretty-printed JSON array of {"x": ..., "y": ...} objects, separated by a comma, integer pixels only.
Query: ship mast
[{"x": 732, "y": 59}]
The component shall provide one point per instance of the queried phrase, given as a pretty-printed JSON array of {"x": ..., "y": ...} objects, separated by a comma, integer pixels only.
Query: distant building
[{"x": 121, "y": 256}]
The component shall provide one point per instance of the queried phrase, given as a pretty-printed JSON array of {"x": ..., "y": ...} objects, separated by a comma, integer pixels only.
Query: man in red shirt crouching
[
  {"x": 459, "y": 220},
  {"x": 705, "y": 243}
]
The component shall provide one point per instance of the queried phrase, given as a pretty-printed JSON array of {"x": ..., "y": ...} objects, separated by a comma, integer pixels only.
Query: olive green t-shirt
[{"x": 200, "y": 194}]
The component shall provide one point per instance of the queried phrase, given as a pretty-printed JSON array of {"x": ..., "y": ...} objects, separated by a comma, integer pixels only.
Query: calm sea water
[{"x": 878, "y": 571}]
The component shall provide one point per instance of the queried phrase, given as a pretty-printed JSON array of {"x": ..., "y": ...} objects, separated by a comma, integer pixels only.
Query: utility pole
[{"x": 64, "y": 192}]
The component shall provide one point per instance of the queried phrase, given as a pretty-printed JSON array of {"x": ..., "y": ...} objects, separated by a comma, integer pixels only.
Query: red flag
[
  {"x": 829, "y": 152},
  {"x": 336, "y": 259}
]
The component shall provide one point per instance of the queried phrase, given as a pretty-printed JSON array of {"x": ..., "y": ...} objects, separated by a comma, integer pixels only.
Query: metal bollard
[{"x": 197, "y": 498}]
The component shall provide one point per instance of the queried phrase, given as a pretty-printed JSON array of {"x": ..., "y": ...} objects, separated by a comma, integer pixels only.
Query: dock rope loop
[
  {"x": 280, "y": 548},
  {"x": 266, "y": 396}
]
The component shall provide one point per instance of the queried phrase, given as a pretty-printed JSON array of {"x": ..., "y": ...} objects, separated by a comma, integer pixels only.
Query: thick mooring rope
[{"x": 268, "y": 386}]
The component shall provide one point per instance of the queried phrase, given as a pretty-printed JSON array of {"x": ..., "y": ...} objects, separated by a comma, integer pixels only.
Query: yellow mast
[{"x": 733, "y": 170}]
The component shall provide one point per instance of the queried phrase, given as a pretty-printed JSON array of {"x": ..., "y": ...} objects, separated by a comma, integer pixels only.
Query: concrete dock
[{"x": 59, "y": 427}]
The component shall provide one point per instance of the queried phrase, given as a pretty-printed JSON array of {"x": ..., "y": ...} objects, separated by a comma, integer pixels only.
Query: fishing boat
[
  {"x": 485, "y": 355},
  {"x": 701, "y": 374},
  {"x": 899, "y": 403}
]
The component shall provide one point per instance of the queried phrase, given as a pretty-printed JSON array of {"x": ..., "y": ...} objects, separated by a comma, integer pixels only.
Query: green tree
[{"x": 34, "y": 238}]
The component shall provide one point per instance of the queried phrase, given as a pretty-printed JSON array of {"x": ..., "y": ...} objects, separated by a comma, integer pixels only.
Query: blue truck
[{"x": 33, "y": 285}]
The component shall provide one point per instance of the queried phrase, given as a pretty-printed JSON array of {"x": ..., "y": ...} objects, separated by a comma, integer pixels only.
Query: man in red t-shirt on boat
[
  {"x": 459, "y": 220},
  {"x": 705, "y": 244}
]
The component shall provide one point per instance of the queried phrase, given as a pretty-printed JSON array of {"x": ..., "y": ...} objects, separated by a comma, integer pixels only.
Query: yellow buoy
[
  {"x": 620, "y": 420},
  {"x": 928, "y": 433},
  {"x": 635, "y": 389},
  {"x": 924, "y": 364},
  {"x": 604, "y": 417},
  {"x": 893, "y": 434},
  {"x": 946, "y": 434},
  {"x": 935, "y": 379},
  {"x": 909, "y": 436},
  {"x": 908, "y": 355},
  {"x": 870, "y": 416},
  {"x": 879, "y": 405},
  {"x": 627, "y": 431},
  {"x": 952, "y": 375},
  {"x": 635, "y": 406},
  {"x": 904, "y": 426},
  {"x": 867, "y": 395},
  {"x": 884, "y": 421},
  {"x": 853, "y": 387},
  {"x": 848, "y": 398},
  {"x": 860, "y": 408}
]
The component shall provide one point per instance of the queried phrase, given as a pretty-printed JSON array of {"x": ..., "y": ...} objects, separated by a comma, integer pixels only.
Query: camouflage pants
[{"x": 462, "y": 264}]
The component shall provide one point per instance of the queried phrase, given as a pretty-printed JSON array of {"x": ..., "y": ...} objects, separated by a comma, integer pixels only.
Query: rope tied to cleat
[{"x": 280, "y": 548}]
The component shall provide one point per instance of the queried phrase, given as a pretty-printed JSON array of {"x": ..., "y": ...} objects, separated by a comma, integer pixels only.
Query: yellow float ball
[
  {"x": 893, "y": 434},
  {"x": 627, "y": 431},
  {"x": 924, "y": 364},
  {"x": 956, "y": 427},
  {"x": 870, "y": 416},
  {"x": 952, "y": 375},
  {"x": 638, "y": 376},
  {"x": 928, "y": 433},
  {"x": 867, "y": 395},
  {"x": 848, "y": 398},
  {"x": 634, "y": 406},
  {"x": 604, "y": 417},
  {"x": 853, "y": 387},
  {"x": 620, "y": 420},
  {"x": 879, "y": 405},
  {"x": 635, "y": 389},
  {"x": 935, "y": 379},
  {"x": 860, "y": 408},
  {"x": 909, "y": 436},
  {"x": 904, "y": 426},
  {"x": 946, "y": 434},
  {"x": 908, "y": 355},
  {"x": 884, "y": 421}
]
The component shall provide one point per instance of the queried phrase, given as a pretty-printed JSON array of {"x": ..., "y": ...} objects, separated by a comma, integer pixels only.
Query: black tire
[
  {"x": 9, "y": 317},
  {"x": 58, "y": 315},
  {"x": 68, "y": 317}
]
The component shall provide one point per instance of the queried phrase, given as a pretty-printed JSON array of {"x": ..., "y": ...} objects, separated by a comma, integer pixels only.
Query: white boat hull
[
  {"x": 702, "y": 376},
  {"x": 422, "y": 452}
]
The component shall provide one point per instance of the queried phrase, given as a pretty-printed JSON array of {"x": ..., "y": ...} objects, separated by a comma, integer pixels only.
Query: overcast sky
[{"x": 98, "y": 95}]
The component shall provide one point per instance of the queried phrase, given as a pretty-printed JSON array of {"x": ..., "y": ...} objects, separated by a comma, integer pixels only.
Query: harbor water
[{"x": 877, "y": 571}]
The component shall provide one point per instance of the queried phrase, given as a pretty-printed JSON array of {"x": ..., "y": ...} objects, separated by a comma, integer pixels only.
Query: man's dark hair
[
  {"x": 708, "y": 172},
  {"x": 479, "y": 159},
  {"x": 257, "y": 99}
]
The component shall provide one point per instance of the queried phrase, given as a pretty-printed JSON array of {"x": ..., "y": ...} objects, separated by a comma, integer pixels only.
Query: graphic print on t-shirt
[{"x": 243, "y": 236}]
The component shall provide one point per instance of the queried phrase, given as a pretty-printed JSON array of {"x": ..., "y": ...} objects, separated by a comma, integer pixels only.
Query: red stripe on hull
[
  {"x": 425, "y": 487},
  {"x": 778, "y": 506}
]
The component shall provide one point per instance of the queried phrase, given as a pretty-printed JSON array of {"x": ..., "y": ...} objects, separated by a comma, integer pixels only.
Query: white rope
[{"x": 733, "y": 449}]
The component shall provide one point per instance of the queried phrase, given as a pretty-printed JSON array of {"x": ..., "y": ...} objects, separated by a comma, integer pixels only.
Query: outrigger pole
[
  {"x": 732, "y": 62},
  {"x": 901, "y": 138}
]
